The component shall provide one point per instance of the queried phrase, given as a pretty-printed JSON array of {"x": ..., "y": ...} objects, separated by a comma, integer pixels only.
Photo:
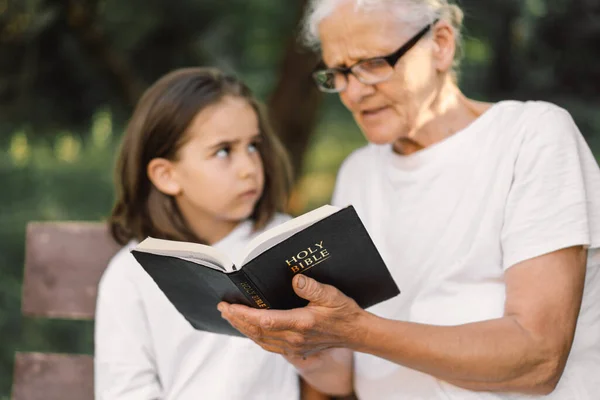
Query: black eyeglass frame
[{"x": 391, "y": 59}]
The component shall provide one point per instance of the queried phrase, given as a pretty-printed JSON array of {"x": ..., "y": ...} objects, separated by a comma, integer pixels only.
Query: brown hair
[{"x": 157, "y": 129}]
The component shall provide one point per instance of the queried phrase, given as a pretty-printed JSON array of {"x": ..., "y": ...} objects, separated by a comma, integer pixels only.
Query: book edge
[
  {"x": 196, "y": 253},
  {"x": 324, "y": 212}
]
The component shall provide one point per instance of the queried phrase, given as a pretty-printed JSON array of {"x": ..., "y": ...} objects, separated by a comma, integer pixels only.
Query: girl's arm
[{"x": 123, "y": 362}]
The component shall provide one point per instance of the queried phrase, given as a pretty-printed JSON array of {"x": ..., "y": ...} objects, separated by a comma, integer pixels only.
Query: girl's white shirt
[{"x": 145, "y": 349}]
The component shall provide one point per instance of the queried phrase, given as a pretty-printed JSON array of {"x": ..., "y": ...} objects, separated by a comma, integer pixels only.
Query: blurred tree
[
  {"x": 502, "y": 65},
  {"x": 295, "y": 100},
  {"x": 568, "y": 42},
  {"x": 82, "y": 20},
  {"x": 105, "y": 52}
]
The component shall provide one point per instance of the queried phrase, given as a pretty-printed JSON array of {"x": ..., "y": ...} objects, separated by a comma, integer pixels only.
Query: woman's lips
[{"x": 374, "y": 112}]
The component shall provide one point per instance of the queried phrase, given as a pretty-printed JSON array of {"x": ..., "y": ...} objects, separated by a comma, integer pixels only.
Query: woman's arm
[
  {"x": 525, "y": 351},
  {"x": 328, "y": 371}
]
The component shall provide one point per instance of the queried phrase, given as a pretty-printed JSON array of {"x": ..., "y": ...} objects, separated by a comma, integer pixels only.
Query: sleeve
[
  {"x": 124, "y": 365},
  {"x": 553, "y": 202}
]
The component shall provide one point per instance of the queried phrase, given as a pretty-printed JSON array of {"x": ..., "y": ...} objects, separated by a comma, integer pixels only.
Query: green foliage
[
  {"x": 65, "y": 179},
  {"x": 104, "y": 52}
]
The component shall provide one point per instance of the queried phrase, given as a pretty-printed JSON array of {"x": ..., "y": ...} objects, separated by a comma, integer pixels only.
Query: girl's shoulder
[
  {"x": 122, "y": 266},
  {"x": 123, "y": 256},
  {"x": 277, "y": 219}
]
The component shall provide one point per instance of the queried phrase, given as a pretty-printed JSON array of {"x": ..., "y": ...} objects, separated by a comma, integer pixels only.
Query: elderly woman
[{"x": 487, "y": 215}]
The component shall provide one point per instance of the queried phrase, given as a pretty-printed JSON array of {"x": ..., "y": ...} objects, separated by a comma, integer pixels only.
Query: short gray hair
[{"x": 415, "y": 13}]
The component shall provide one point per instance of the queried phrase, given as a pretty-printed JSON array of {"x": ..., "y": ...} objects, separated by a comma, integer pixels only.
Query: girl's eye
[
  {"x": 253, "y": 147},
  {"x": 223, "y": 153}
]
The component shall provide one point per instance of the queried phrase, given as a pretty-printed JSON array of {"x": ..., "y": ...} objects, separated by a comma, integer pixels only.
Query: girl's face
[{"x": 218, "y": 176}]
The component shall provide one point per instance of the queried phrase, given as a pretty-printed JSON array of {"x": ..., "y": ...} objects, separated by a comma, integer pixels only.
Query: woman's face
[{"x": 394, "y": 109}]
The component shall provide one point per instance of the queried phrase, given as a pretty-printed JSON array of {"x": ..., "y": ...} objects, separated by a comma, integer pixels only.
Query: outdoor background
[{"x": 70, "y": 71}]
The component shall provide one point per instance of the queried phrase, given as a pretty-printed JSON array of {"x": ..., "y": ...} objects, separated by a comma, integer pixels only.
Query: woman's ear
[
  {"x": 162, "y": 174},
  {"x": 444, "y": 45}
]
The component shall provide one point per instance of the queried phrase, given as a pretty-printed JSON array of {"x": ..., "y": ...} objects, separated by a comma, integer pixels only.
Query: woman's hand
[
  {"x": 322, "y": 360},
  {"x": 330, "y": 320},
  {"x": 328, "y": 371},
  {"x": 313, "y": 338}
]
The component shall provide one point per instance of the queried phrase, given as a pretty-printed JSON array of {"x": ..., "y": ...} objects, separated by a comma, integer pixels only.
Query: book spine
[{"x": 249, "y": 289}]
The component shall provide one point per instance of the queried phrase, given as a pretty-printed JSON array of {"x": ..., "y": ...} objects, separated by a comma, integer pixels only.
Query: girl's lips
[{"x": 249, "y": 193}]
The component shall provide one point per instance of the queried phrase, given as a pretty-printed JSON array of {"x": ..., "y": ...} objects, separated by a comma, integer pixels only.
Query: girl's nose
[{"x": 248, "y": 166}]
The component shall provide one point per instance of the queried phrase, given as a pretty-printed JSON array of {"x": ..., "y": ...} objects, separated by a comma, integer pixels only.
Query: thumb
[{"x": 315, "y": 292}]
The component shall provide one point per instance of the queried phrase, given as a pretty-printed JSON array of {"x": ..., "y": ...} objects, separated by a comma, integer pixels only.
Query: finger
[
  {"x": 290, "y": 345},
  {"x": 244, "y": 315},
  {"x": 272, "y": 348},
  {"x": 250, "y": 330},
  {"x": 296, "y": 320},
  {"x": 270, "y": 320},
  {"x": 275, "y": 343},
  {"x": 281, "y": 342},
  {"x": 318, "y": 293},
  {"x": 253, "y": 331},
  {"x": 222, "y": 307},
  {"x": 240, "y": 311}
]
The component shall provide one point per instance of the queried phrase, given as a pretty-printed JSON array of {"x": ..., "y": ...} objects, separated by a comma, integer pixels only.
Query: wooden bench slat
[
  {"x": 63, "y": 265},
  {"x": 41, "y": 376}
]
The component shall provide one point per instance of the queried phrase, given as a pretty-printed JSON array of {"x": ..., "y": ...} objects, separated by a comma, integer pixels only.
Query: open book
[
  {"x": 328, "y": 244},
  {"x": 213, "y": 258}
]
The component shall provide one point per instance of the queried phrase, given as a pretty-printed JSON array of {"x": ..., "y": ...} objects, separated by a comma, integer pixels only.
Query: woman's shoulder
[
  {"x": 528, "y": 123},
  {"x": 529, "y": 113}
]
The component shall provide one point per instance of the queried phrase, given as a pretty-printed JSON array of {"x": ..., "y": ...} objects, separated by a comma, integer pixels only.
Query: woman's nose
[{"x": 356, "y": 90}]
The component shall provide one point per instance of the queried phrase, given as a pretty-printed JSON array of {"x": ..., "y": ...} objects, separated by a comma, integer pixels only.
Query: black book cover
[{"x": 336, "y": 250}]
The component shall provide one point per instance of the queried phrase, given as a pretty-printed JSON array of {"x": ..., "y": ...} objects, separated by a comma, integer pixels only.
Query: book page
[
  {"x": 194, "y": 252},
  {"x": 276, "y": 235}
]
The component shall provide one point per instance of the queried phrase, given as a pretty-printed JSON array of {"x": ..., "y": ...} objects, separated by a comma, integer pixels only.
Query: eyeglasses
[{"x": 370, "y": 71}]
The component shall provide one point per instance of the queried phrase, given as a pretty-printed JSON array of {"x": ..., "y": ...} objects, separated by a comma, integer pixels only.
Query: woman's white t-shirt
[
  {"x": 146, "y": 350},
  {"x": 449, "y": 220}
]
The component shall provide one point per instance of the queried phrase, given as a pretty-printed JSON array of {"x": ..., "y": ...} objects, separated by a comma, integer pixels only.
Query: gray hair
[{"x": 415, "y": 13}]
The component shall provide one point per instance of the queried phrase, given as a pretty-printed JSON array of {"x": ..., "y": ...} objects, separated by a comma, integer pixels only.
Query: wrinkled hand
[{"x": 330, "y": 320}]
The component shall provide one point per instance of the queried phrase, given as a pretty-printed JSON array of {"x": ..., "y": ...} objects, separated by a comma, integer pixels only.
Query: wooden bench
[{"x": 63, "y": 264}]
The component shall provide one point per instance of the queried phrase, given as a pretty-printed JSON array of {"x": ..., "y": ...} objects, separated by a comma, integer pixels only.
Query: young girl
[{"x": 198, "y": 163}]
